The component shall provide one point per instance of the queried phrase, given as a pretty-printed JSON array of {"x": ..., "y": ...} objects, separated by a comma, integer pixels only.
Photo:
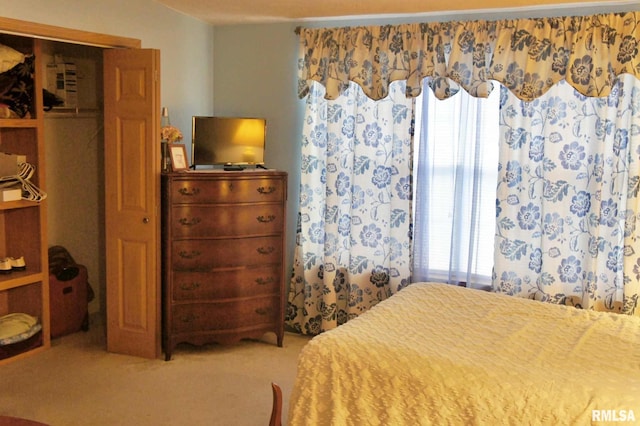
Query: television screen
[{"x": 227, "y": 140}]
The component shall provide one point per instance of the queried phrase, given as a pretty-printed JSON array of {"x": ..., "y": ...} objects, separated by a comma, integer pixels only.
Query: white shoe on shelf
[
  {"x": 5, "y": 266},
  {"x": 18, "y": 264}
]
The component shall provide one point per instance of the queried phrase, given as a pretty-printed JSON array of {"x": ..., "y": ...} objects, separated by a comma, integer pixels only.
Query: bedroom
[
  {"x": 235, "y": 91},
  {"x": 231, "y": 86}
]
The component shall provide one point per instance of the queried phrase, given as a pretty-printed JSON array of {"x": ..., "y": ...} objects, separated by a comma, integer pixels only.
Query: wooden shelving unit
[{"x": 23, "y": 223}]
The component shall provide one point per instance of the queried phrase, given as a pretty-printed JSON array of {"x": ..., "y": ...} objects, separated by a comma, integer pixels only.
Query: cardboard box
[
  {"x": 62, "y": 80},
  {"x": 10, "y": 194},
  {"x": 9, "y": 163}
]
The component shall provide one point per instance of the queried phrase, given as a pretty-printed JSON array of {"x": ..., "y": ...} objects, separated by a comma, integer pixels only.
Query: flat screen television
[{"x": 228, "y": 140}]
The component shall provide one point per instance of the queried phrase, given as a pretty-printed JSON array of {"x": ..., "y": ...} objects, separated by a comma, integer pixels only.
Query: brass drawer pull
[
  {"x": 265, "y": 281},
  {"x": 189, "y": 192},
  {"x": 186, "y": 222},
  {"x": 189, "y": 286},
  {"x": 189, "y": 318},
  {"x": 196, "y": 269},
  {"x": 264, "y": 311},
  {"x": 266, "y": 191},
  {"x": 189, "y": 255},
  {"x": 266, "y": 219},
  {"x": 265, "y": 250}
]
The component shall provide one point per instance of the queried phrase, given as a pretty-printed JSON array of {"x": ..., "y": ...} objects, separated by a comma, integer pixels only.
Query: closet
[
  {"x": 74, "y": 149},
  {"x": 99, "y": 162}
]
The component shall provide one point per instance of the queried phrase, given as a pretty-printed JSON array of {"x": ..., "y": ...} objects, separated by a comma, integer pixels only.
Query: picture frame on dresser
[{"x": 178, "y": 154}]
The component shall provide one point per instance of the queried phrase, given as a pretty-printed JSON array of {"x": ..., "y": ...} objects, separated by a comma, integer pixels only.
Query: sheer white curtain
[{"x": 455, "y": 177}]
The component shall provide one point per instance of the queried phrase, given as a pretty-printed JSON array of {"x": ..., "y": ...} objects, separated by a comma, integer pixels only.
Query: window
[{"x": 455, "y": 178}]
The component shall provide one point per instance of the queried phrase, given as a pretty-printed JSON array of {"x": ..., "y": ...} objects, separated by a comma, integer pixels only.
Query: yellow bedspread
[{"x": 446, "y": 355}]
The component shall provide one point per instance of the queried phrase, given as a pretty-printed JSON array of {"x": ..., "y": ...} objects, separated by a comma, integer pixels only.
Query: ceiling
[{"x": 224, "y": 12}]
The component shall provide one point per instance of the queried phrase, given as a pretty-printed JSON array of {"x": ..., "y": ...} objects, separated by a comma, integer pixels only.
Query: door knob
[{"x": 145, "y": 220}]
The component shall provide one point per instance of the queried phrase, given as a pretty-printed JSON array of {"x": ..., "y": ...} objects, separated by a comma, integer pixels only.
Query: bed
[{"x": 441, "y": 354}]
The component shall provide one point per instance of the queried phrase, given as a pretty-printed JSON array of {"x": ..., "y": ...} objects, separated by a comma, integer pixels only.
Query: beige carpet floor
[{"x": 77, "y": 382}]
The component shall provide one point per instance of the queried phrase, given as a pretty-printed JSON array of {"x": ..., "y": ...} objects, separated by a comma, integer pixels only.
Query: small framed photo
[{"x": 178, "y": 154}]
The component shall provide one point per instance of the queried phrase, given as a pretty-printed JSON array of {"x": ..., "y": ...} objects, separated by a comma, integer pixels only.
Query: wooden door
[{"x": 132, "y": 205}]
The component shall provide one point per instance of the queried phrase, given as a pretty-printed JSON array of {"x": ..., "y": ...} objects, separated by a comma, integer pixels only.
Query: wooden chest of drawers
[{"x": 223, "y": 256}]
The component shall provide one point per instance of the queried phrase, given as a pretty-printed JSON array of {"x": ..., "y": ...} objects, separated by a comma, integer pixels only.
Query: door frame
[{"x": 51, "y": 32}]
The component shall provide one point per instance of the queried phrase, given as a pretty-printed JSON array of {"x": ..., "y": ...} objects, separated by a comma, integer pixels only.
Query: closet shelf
[
  {"x": 73, "y": 113},
  {"x": 9, "y": 205},
  {"x": 20, "y": 279},
  {"x": 23, "y": 223},
  {"x": 18, "y": 122}
]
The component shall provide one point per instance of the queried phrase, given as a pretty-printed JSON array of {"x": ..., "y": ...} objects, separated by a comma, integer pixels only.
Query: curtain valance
[{"x": 526, "y": 55}]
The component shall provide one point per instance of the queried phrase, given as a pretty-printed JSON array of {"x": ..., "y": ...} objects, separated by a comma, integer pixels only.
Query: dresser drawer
[
  {"x": 209, "y": 255},
  {"x": 226, "y": 284},
  {"x": 226, "y": 221},
  {"x": 249, "y": 190},
  {"x": 195, "y": 317}
]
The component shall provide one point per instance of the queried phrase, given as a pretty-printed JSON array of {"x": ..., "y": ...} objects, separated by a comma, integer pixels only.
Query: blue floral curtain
[
  {"x": 354, "y": 226},
  {"x": 567, "y": 203},
  {"x": 567, "y": 199},
  {"x": 526, "y": 55}
]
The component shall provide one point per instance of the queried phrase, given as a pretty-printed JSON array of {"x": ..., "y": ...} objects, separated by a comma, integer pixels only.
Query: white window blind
[{"x": 455, "y": 178}]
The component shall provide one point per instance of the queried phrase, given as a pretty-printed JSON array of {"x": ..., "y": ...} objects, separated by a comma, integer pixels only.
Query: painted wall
[{"x": 255, "y": 76}]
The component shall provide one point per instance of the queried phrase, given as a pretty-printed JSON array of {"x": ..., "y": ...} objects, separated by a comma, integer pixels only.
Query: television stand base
[{"x": 233, "y": 168}]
